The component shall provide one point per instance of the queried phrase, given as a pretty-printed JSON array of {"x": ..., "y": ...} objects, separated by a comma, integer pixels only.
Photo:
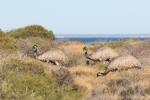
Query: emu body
[
  {"x": 123, "y": 62},
  {"x": 53, "y": 55},
  {"x": 102, "y": 54}
]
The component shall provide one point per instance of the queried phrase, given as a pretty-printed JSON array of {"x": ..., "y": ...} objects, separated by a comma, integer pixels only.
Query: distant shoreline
[
  {"x": 102, "y": 35},
  {"x": 90, "y": 40}
]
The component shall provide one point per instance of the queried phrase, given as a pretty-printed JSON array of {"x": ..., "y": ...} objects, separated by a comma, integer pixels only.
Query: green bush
[
  {"x": 26, "y": 80},
  {"x": 1, "y": 33},
  {"x": 32, "y": 31},
  {"x": 8, "y": 44},
  {"x": 24, "y": 66}
]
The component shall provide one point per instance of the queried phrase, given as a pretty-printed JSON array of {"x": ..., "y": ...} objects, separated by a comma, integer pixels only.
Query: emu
[
  {"x": 122, "y": 62},
  {"x": 53, "y": 55},
  {"x": 102, "y": 54}
]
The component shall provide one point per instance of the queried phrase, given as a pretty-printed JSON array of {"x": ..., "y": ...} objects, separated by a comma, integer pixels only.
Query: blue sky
[{"x": 78, "y": 16}]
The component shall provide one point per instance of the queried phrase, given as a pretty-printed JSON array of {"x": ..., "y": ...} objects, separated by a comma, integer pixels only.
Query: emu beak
[{"x": 100, "y": 74}]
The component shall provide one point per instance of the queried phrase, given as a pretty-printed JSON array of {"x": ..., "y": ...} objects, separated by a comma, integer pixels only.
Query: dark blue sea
[{"x": 90, "y": 40}]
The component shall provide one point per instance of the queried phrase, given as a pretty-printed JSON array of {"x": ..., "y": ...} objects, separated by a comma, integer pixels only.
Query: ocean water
[{"x": 90, "y": 40}]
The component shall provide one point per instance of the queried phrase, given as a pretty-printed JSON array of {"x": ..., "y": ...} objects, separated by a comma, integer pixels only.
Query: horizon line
[{"x": 102, "y": 35}]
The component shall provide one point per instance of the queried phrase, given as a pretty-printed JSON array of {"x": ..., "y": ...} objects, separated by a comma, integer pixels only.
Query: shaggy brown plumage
[
  {"x": 102, "y": 54},
  {"x": 52, "y": 55},
  {"x": 123, "y": 62}
]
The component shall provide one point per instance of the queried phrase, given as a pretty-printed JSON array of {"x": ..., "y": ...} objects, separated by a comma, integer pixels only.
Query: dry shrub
[
  {"x": 98, "y": 93},
  {"x": 114, "y": 85},
  {"x": 119, "y": 89},
  {"x": 132, "y": 93},
  {"x": 141, "y": 52},
  {"x": 63, "y": 76},
  {"x": 75, "y": 60},
  {"x": 25, "y": 45},
  {"x": 119, "y": 82},
  {"x": 75, "y": 54}
]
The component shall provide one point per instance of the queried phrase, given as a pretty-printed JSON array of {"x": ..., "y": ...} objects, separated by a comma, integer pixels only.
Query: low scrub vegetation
[
  {"x": 1, "y": 33},
  {"x": 26, "y": 78},
  {"x": 7, "y": 45}
]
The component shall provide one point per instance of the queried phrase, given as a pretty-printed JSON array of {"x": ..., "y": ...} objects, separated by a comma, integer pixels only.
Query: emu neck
[
  {"x": 86, "y": 53},
  {"x": 35, "y": 54},
  {"x": 88, "y": 56}
]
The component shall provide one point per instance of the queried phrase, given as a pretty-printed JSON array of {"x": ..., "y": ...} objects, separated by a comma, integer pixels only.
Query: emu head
[
  {"x": 101, "y": 74},
  {"x": 35, "y": 48},
  {"x": 85, "y": 49}
]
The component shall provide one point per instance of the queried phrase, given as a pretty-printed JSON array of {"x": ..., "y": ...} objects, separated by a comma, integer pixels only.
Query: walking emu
[
  {"x": 52, "y": 55},
  {"x": 102, "y": 54},
  {"x": 123, "y": 62}
]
